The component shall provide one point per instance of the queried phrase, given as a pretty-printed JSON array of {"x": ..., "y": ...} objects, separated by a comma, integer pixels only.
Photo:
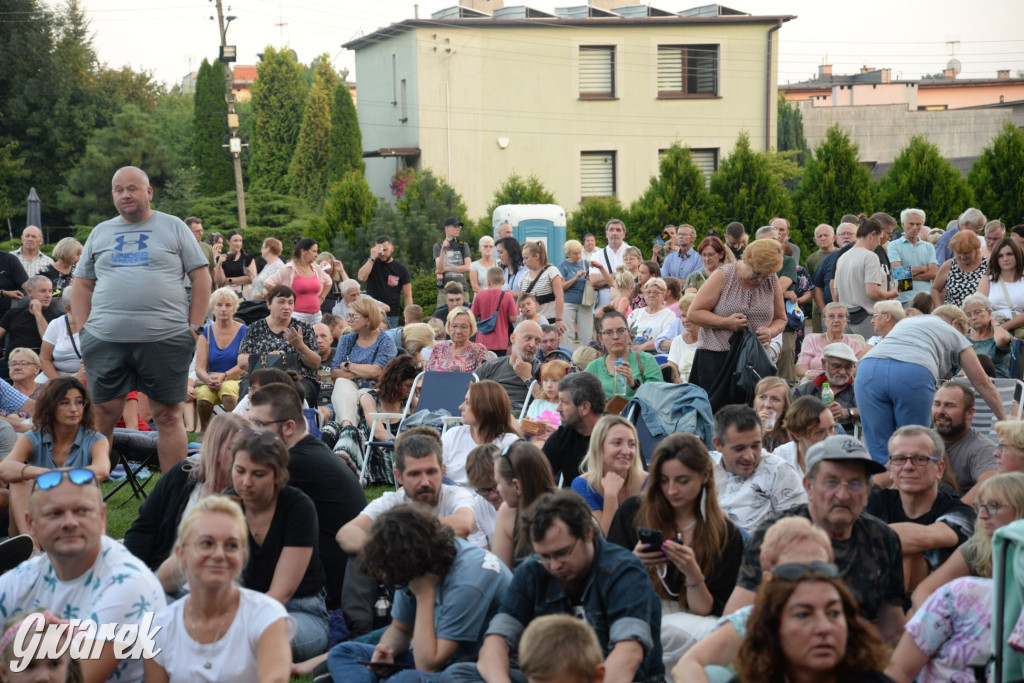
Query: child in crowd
[
  {"x": 63, "y": 669},
  {"x": 528, "y": 309},
  {"x": 542, "y": 417},
  {"x": 559, "y": 647}
]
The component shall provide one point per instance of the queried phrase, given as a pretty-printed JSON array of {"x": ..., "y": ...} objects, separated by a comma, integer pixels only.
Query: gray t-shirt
[
  {"x": 139, "y": 269},
  {"x": 971, "y": 456},
  {"x": 854, "y": 270},
  {"x": 925, "y": 340}
]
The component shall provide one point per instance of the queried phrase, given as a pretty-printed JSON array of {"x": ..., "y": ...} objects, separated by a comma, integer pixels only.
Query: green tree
[
  {"x": 790, "y": 134},
  {"x": 834, "y": 182},
  {"x": 922, "y": 178},
  {"x": 593, "y": 214},
  {"x": 12, "y": 171},
  {"x": 513, "y": 190},
  {"x": 744, "y": 188},
  {"x": 350, "y": 205},
  {"x": 278, "y": 105},
  {"x": 209, "y": 125},
  {"x": 998, "y": 176},
  {"x": 676, "y": 195},
  {"x": 346, "y": 153},
  {"x": 308, "y": 171}
]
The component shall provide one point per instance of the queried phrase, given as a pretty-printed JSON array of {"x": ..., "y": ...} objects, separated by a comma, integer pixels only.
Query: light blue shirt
[
  {"x": 942, "y": 251},
  {"x": 914, "y": 255},
  {"x": 677, "y": 265},
  {"x": 79, "y": 456}
]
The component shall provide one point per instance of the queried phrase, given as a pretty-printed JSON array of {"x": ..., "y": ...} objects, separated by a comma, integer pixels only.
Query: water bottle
[
  {"x": 618, "y": 380},
  {"x": 827, "y": 395}
]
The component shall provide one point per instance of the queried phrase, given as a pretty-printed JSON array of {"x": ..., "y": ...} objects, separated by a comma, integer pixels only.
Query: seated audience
[
  {"x": 151, "y": 537},
  {"x": 1009, "y": 453},
  {"x": 454, "y": 297},
  {"x": 612, "y": 471},
  {"x": 811, "y": 362},
  {"x": 359, "y": 361},
  {"x": 24, "y": 367},
  {"x": 550, "y": 349},
  {"x": 283, "y": 542},
  {"x": 867, "y": 551},
  {"x": 221, "y": 631},
  {"x": 584, "y": 356},
  {"x": 1000, "y": 501},
  {"x": 418, "y": 339},
  {"x": 635, "y": 367},
  {"x": 650, "y": 320},
  {"x": 840, "y": 370},
  {"x": 542, "y": 417},
  {"x": 217, "y": 362},
  {"x": 62, "y": 436},
  {"x": 522, "y": 476},
  {"x": 987, "y": 338},
  {"x": 518, "y": 369},
  {"x": 805, "y": 628},
  {"x": 389, "y": 396},
  {"x": 580, "y": 406},
  {"x": 480, "y": 472},
  {"x": 61, "y": 350},
  {"x": 808, "y": 421},
  {"x": 683, "y": 346},
  {"x": 413, "y": 313},
  {"x": 458, "y": 584},
  {"x": 884, "y": 318},
  {"x": 486, "y": 418},
  {"x": 771, "y": 403},
  {"x": 931, "y": 523},
  {"x": 560, "y": 647},
  {"x": 619, "y": 604},
  {"x": 753, "y": 485},
  {"x": 971, "y": 453},
  {"x": 459, "y": 354},
  {"x": 24, "y": 326},
  {"x": 119, "y": 591},
  {"x": 694, "y": 569}
]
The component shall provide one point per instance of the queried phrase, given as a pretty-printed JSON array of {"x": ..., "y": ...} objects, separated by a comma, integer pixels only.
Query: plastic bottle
[
  {"x": 827, "y": 395},
  {"x": 618, "y": 380}
]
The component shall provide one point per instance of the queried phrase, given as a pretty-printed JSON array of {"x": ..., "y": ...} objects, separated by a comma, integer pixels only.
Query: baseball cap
[
  {"x": 842, "y": 448},
  {"x": 841, "y": 351},
  {"x": 452, "y": 220}
]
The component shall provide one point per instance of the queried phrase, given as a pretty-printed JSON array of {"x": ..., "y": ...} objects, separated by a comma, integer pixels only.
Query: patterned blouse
[
  {"x": 757, "y": 304},
  {"x": 960, "y": 285},
  {"x": 445, "y": 358},
  {"x": 260, "y": 340}
]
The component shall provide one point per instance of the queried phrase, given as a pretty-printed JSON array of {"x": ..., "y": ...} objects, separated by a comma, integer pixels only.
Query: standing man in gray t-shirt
[{"x": 138, "y": 329}]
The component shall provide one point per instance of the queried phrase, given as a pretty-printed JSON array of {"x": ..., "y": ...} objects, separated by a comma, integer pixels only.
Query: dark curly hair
[
  {"x": 564, "y": 505},
  {"x": 396, "y": 372},
  {"x": 405, "y": 542},
  {"x": 760, "y": 659},
  {"x": 45, "y": 415}
]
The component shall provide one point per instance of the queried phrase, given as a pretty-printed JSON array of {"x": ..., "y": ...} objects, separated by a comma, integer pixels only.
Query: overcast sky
[{"x": 171, "y": 37}]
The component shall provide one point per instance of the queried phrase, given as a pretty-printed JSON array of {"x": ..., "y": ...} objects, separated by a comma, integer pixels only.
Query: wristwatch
[
  {"x": 198, "y": 329},
  {"x": 346, "y": 364}
]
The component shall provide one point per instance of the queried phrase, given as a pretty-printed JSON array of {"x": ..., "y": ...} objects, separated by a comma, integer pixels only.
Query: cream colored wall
[
  {"x": 522, "y": 84},
  {"x": 956, "y": 98}
]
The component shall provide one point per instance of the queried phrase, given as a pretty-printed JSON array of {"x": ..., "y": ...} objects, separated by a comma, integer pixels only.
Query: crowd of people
[{"x": 833, "y": 523}]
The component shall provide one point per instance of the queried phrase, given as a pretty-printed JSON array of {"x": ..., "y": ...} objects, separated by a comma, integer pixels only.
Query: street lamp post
[{"x": 227, "y": 55}]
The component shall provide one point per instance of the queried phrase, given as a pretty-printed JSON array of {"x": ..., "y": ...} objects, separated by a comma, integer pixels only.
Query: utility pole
[{"x": 228, "y": 55}]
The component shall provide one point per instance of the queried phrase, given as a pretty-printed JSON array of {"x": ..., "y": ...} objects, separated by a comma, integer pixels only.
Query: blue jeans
[
  {"x": 891, "y": 394},
  {"x": 392, "y": 321},
  {"x": 467, "y": 673},
  {"x": 311, "y": 626},
  {"x": 343, "y": 663}
]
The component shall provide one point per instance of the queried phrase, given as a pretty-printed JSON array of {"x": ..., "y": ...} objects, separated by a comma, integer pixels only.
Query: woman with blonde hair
[
  {"x": 986, "y": 337},
  {"x": 418, "y": 339},
  {"x": 578, "y": 317},
  {"x": 61, "y": 272},
  {"x": 620, "y": 294},
  {"x": 683, "y": 346},
  {"x": 771, "y": 402},
  {"x": 808, "y": 421},
  {"x": 459, "y": 354},
  {"x": 217, "y": 368},
  {"x": 612, "y": 470},
  {"x": 359, "y": 360},
  {"x": 653, "y": 318},
  {"x": 336, "y": 271},
  {"x": 478, "y": 269},
  {"x": 221, "y": 631},
  {"x": 1009, "y": 452}
]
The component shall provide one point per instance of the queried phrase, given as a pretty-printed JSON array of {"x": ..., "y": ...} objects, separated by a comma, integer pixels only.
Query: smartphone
[
  {"x": 659, "y": 241},
  {"x": 651, "y": 537},
  {"x": 383, "y": 667}
]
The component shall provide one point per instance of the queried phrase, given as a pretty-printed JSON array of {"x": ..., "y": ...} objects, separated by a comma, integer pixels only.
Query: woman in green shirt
[{"x": 637, "y": 366}]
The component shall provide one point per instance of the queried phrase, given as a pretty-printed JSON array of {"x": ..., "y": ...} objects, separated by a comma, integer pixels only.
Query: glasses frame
[
  {"x": 76, "y": 475},
  {"x": 795, "y": 571}
]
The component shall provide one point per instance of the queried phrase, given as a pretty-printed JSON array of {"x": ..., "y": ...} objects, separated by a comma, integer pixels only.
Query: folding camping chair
[
  {"x": 1011, "y": 391},
  {"x": 132, "y": 445}
]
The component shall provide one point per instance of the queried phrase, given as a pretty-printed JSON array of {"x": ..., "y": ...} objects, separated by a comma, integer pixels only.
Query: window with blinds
[
  {"x": 687, "y": 71},
  {"x": 597, "y": 174},
  {"x": 704, "y": 159},
  {"x": 597, "y": 72}
]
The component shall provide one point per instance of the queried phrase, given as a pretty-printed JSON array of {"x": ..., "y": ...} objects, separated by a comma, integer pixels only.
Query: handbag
[
  {"x": 589, "y": 293},
  {"x": 487, "y": 326},
  {"x": 752, "y": 365}
]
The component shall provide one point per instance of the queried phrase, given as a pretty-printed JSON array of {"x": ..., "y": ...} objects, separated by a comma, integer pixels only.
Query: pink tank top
[{"x": 307, "y": 294}]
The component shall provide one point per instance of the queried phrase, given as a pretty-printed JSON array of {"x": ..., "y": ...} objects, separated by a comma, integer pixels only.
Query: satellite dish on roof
[{"x": 954, "y": 66}]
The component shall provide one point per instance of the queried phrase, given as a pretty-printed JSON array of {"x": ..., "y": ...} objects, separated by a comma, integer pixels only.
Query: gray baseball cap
[{"x": 842, "y": 448}]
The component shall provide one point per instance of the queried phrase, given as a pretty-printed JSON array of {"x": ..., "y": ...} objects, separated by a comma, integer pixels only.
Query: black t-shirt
[
  {"x": 235, "y": 267},
  {"x": 948, "y": 509},
  {"x": 293, "y": 525},
  {"x": 721, "y": 581},
  {"x": 386, "y": 281},
  {"x": 337, "y": 497},
  {"x": 12, "y": 277},
  {"x": 22, "y": 330},
  {"x": 565, "y": 450}
]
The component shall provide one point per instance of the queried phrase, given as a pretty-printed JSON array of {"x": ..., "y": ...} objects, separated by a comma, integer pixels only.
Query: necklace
[
  {"x": 688, "y": 527},
  {"x": 209, "y": 646}
]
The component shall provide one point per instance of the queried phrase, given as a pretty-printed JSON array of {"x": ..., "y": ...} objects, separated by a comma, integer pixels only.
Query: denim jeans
[
  {"x": 392, "y": 321},
  {"x": 343, "y": 663},
  {"x": 311, "y": 625},
  {"x": 467, "y": 673},
  {"x": 891, "y": 394}
]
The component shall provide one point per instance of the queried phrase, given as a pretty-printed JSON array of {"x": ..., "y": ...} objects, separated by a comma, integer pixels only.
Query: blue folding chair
[
  {"x": 1015, "y": 368},
  {"x": 437, "y": 391}
]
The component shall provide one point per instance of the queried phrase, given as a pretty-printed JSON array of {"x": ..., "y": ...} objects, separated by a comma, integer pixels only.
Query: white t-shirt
[
  {"x": 451, "y": 499},
  {"x": 614, "y": 259},
  {"x": 457, "y": 442},
  {"x": 118, "y": 589},
  {"x": 233, "y": 657},
  {"x": 681, "y": 353},
  {"x": 787, "y": 452},
  {"x": 65, "y": 359},
  {"x": 774, "y": 487},
  {"x": 486, "y": 516},
  {"x": 650, "y": 325}
]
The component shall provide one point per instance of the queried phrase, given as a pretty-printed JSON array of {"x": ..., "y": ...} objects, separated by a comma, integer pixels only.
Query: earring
[{"x": 703, "y": 503}]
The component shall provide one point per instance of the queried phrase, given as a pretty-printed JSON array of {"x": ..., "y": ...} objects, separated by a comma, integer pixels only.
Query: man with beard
[
  {"x": 867, "y": 551},
  {"x": 515, "y": 371},
  {"x": 574, "y": 571},
  {"x": 840, "y": 368},
  {"x": 971, "y": 453},
  {"x": 581, "y": 405}
]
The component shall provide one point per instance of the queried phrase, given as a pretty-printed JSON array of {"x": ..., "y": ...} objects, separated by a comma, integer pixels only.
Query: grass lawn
[{"x": 122, "y": 509}]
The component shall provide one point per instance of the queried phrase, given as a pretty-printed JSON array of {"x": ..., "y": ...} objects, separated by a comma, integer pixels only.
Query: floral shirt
[
  {"x": 952, "y": 626},
  {"x": 445, "y": 358},
  {"x": 260, "y": 340}
]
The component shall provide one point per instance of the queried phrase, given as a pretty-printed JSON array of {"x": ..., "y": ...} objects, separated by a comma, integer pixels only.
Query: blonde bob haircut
[
  {"x": 416, "y": 337},
  {"x": 219, "y": 505},
  {"x": 788, "y": 532},
  {"x": 1013, "y": 432},
  {"x": 224, "y": 294},
  {"x": 893, "y": 308},
  {"x": 457, "y": 311},
  {"x": 763, "y": 255},
  {"x": 67, "y": 249},
  {"x": 592, "y": 467},
  {"x": 954, "y": 316},
  {"x": 572, "y": 246},
  {"x": 368, "y": 309}
]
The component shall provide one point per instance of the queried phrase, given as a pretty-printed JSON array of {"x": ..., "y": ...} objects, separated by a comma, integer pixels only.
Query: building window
[
  {"x": 687, "y": 71},
  {"x": 597, "y": 72},
  {"x": 705, "y": 159},
  {"x": 597, "y": 174}
]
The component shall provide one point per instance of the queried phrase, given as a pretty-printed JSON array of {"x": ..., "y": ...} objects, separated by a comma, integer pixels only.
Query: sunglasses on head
[
  {"x": 79, "y": 476},
  {"x": 264, "y": 437},
  {"x": 794, "y": 571}
]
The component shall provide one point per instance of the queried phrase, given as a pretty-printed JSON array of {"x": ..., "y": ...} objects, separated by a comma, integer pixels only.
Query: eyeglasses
[
  {"x": 79, "y": 476},
  {"x": 918, "y": 460},
  {"x": 207, "y": 546},
  {"x": 991, "y": 509},
  {"x": 1004, "y": 447},
  {"x": 854, "y": 486},
  {"x": 354, "y": 316},
  {"x": 548, "y": 560},
  {"x": 794, "y": 571},
  {"x": 844, "y": 367},
  {"x": 22, "y": 364},
  {"x": 265, "y": 436},
  {"x": 616, "y": 332},
  {"x": 485, "y": 492}
]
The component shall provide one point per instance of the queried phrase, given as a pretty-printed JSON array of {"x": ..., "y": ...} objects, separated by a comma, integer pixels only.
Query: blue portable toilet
[{"x": 535, "y": 222}]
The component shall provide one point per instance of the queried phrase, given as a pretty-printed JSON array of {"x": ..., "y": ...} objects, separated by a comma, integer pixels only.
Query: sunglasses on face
[
  {"x": 79, "y": 476},
  {"x": 794, "y": 571}
]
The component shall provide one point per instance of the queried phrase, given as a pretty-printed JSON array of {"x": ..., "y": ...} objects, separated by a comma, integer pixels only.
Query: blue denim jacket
[{"x": 618, "y": 602}]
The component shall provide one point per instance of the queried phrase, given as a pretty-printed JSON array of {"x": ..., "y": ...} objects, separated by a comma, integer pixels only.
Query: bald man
[
  {"x": 33, "y": 260},
  {"x": 516, "y": 370}
]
